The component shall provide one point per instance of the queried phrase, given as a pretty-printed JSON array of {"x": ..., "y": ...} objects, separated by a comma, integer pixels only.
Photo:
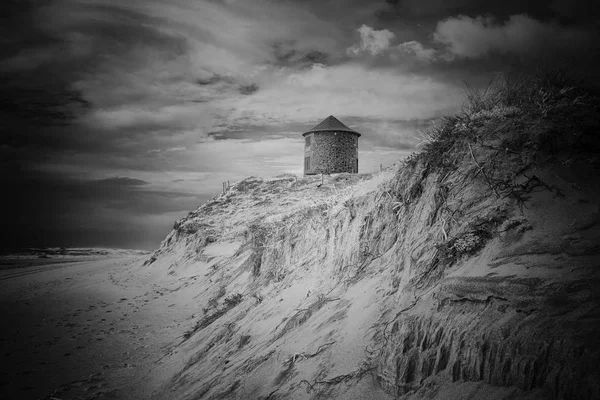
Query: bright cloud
[{"x": 372, "y": 41}]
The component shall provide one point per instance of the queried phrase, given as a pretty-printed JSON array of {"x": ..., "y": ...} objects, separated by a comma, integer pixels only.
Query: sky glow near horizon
[{"x": 120, "y": 117}]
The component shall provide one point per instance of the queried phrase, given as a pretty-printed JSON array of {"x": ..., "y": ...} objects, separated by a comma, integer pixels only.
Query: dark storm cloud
[
  {"x": 34, "y": 88},
  {"x": 40, "y": 103},
  {"x": 90, "y": 39},
  {"x": 48, "y": 68},
  {"x": 426, "y": 11},
  {"x": 576, "y": 11},
  {"x": 18, "y": 27}
]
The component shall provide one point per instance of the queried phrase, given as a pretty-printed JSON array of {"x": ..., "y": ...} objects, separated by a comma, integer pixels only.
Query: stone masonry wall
[{"x": 331, "y": 152}]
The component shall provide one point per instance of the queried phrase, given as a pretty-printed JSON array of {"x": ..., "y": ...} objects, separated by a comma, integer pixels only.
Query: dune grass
[{"x": 552, "y": 95}]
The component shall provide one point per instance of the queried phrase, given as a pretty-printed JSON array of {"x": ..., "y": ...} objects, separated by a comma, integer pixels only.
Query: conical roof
[{"x": 331, "y": 123}]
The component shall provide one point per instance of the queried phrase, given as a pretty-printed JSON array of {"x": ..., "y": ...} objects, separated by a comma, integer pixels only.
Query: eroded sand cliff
[{"x": 469, "y": 271}]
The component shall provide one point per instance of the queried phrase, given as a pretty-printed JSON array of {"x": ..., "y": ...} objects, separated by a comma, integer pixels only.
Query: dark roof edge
[{"x": 333, "y": 130}]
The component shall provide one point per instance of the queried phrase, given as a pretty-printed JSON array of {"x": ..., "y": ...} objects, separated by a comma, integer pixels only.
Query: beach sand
[{"x": 91, "y": 327}]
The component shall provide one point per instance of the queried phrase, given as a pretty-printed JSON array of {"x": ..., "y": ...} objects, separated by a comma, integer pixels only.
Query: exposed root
[
  {"x": 296, "y": 356},
  {"x": 357, "y": 374}
]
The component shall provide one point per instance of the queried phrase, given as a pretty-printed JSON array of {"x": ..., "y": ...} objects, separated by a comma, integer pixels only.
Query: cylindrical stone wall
[{"x": 330, "y": 152}]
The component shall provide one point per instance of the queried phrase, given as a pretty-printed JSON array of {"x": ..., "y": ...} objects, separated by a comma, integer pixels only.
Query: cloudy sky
[{"x": 118, "y": 117}]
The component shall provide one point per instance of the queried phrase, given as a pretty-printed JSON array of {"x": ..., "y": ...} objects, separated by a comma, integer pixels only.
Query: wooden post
[{"x": 381, "y": 167}]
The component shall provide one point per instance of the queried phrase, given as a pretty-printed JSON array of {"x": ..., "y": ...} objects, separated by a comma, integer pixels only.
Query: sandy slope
[
  {"x": 83, "y": 329},
  {"x": 470, "y": 273}
]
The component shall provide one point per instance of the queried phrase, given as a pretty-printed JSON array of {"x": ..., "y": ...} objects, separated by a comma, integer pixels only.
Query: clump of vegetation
[
  {"x": 467, "y": 244},
  {"x": 233, "y": 300},
  {"x": 449, "y": 252}
]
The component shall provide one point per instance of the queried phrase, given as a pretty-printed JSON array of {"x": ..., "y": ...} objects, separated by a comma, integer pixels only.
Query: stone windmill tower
[{"x": 330, "y": 147}]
